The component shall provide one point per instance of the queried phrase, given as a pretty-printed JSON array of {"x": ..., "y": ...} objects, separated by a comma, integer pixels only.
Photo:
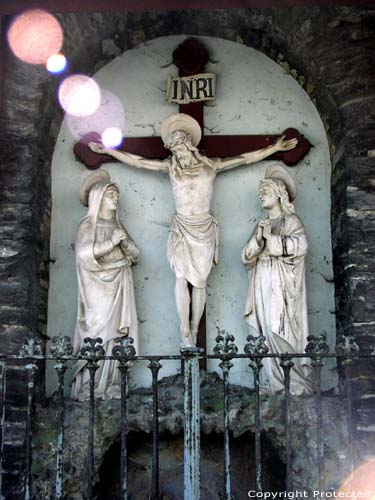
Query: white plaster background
[{"x": 254, "y": 96}]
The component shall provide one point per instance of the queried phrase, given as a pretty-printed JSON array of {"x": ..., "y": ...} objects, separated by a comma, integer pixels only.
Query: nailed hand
[
  {"x": 286, "y": 144},
  {"x": 97, "y": 148}
]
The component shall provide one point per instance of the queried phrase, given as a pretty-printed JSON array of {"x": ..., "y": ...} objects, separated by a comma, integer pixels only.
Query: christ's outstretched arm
[
  {"x": 281, "y": 144},
  {"x": 130, "y": 158}
]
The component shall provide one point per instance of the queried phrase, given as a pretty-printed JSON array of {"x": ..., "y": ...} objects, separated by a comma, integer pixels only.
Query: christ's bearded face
[
  {"x": 183, "y": 155},
  {"x": 179, "y": 143}
]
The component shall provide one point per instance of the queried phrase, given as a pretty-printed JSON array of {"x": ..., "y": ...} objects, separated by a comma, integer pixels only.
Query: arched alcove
[
  {"x": 254, "y": 96},
  {"x": 332, "y": 48},
  {"x": 172, "y": 468},
  {"x": 343, "y": 106}
]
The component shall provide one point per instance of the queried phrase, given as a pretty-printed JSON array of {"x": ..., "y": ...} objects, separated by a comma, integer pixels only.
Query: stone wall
[{"x": 331, "y": 49}]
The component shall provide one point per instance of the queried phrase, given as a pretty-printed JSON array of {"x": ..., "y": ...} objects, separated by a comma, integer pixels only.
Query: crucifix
[{"x": 193, "y": 237}]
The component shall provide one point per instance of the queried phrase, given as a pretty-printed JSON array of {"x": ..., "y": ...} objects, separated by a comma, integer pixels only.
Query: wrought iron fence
[{"x": 226, "y": 352}]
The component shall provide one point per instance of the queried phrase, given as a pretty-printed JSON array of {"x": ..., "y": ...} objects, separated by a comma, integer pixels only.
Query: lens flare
[
  {"x": 79, "y": 95},
  {"x": 361, "y": 482},
  {"x": 110, "y": 114},
  {"x": 57, "y": 63},
  {"x": 112, "y": 137},
  {"x": 35, "y": 35}
]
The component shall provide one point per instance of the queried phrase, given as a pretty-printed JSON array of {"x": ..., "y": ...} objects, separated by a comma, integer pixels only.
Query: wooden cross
[{"x": 191, "y": 58}]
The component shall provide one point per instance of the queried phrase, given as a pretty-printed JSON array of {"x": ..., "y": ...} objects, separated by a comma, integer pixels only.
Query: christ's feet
[{"x": 186, "y": 338}]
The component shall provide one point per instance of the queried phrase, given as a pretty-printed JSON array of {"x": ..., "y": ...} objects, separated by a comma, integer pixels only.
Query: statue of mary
[
  {"x": 106, "y": 304},
  {"x": 276, "y": 301}
]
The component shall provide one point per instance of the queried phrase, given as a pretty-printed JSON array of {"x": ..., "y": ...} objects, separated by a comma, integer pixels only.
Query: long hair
[
  {"x": 181, "y": 137},
  {"x": 281, "y": 192}
]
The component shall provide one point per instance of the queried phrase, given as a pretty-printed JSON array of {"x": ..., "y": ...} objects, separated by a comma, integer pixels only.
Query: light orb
[
  {"x": 57, "y": 63},
  {"x": 112, "y": 137},
  {"x": 110, "y": 114},
  {"x": 79, "y": 95},
  {"x": 35, "y": 35},
  {"x": 361, "y": 482}
]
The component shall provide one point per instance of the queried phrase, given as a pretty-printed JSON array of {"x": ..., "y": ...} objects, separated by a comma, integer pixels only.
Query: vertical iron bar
[
  {"x": 122, "y": 352},
  {"x": 317, "y": 364},
  {"x": 346, "y": 344},
  {"x": 60, "y": 368},
  {"x": 349, "y": 410},
  {"x": 93, "y": 351},
  {"x": 191, "y": 423},
  {"x": 258, "y": 449},
  {"x": 226, "y": 348},
  {"x": 2, "y": 419},
  {"x": 60, "y": 347},
  {"x": 226, "y": 366},
  {"x": 318, "y": 345},
  {"x": 31, "y": 371},
  {"x": 90, "y": 456},
  {"x": 155, "y": 367},
  {"x": 257, "y": 346},
  {"x": 286, "y": 365},
  {"x": 123, "y": 463}
]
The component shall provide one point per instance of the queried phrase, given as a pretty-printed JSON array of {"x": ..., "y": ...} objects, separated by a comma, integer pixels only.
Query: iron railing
[{"x": 226, "y": 352}]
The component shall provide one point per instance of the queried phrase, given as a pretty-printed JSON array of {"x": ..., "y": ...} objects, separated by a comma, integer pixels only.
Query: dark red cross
[{"x": 191, "y": 58}]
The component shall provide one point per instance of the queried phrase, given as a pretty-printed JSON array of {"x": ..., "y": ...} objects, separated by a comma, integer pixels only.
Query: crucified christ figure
[{"x": 193, "y": 238}]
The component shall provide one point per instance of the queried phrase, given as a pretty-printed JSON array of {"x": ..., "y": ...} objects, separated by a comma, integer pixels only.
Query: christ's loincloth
[{"x": 193, "y": 247}]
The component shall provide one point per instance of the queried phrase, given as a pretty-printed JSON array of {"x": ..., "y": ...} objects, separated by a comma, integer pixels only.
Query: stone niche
[
  {"x": 171, "y": 462},
  {"x": 139, "y": 427},
  {"x": 254, "y": 96}
]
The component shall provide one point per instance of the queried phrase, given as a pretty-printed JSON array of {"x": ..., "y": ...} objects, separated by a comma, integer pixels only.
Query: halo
[
  {"x": 181, "y": 121},
  {"x": 276, "y": 171},
  {"x": 100, "y": 175}
]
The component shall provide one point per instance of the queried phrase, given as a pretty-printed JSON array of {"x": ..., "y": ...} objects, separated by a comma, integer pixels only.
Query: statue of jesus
[{"x": 193, "y": 238}]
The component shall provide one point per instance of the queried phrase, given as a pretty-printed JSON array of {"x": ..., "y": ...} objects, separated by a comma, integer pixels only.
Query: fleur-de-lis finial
[
  {"x": 124, "y": 352},
  {"x": 316, "y": 344},
  {"x": 124, "y": 348},
  {"x": 61, "y": 347},
  {"x": 31, "y": 348},
  {"x": 225, "y": 346},
  {"x": 346, "y": 344},
  {"x": 92, "y": 349},
  {"x": 256, "y": 346}
]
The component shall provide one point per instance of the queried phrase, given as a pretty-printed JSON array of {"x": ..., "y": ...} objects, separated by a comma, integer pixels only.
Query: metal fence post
[
  {"x": 61, "y": 347},
  {"x": 347, "y": 345},
  {"x": 256, "y": 346},
  {"x": 93, "y": 351},
  {"x": 2, "y": 419},
  {"x": 318, "y": 345},
  {"x": 226, "y": 349},
  {"x": 155, "y": 366},
  {"x": 286, "y": 363},
  {"x": 190, "y": 357},
  {"x": 124, "y": 352},
  {"x": 30, "y": 350}
]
